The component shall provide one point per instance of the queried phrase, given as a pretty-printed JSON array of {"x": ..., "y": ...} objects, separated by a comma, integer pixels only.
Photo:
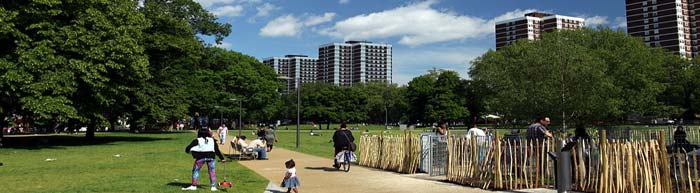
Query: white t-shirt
[
  {"x": 257, "y": 143},
  {"x": 204, "y": 145},
  {"x": 292, "y": 171},
  {"x": 476, "y": 132},
  {"x": 223, "y": 130}
]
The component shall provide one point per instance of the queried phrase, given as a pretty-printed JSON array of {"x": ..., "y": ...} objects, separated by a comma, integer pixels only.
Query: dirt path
[{"x": 317, "y": 175}]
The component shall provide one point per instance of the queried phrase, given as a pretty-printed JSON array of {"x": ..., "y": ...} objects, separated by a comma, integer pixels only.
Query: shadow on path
[
  {"x": 274, "y": 191},
  {"x": 325, "y": 169}
]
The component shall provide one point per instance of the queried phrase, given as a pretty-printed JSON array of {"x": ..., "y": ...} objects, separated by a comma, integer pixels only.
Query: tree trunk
[
  {"x": 90, "y": 132},
  {"x": 2, "y": 126}
]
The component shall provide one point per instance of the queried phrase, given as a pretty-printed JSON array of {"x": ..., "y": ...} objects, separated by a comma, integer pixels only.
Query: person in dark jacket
[
  {"x": 342, "y": 138},
  {"x": 204, "y": 149}
]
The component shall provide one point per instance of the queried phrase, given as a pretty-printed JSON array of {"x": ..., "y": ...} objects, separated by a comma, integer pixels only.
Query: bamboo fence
[
  {"x": 399, "y": 153},
  {"x": 636, "y": 165},
  {"x": 641, "y": 161}
]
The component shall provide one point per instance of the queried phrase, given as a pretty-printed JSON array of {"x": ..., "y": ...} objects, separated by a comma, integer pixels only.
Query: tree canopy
[
  {"x": 575, "y": 75},
  {"x": 88, "y": 63}
]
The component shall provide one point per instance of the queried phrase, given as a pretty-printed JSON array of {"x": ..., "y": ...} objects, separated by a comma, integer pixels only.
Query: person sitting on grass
[
  {"x": 311, "y": 133},
  {"x": 204, "y": 150},
  {"x": 256, "y": 145}
]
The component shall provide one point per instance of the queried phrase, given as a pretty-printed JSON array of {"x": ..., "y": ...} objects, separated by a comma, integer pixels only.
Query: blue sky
[{"x": 425, "y": 34}]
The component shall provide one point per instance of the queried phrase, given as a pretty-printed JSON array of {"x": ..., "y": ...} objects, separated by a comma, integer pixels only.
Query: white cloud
[
  {"x": 224, "y": 45},
  {"x": 265, "y": 9},
  {"x": 287, "y": 25},
  {"x": 343, "y": 1},
  {"x": 228, "y": 11},
  {"x": 620, "y": 22},
  {"x": 596, "y": 21},
  {"x": 416, "y": 24},
  {"x": 207, "y": 3},
  {"x": 319, "y": 19},
  {"x": 290, "y": 25},
  {"x": 511, "y": 15}
]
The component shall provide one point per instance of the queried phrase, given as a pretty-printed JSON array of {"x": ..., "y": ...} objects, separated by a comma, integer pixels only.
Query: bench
[{"x": 243, "y": 152}]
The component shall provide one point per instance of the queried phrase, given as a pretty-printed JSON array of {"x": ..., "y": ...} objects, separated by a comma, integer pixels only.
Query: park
[{"x": 105, "y": 96}]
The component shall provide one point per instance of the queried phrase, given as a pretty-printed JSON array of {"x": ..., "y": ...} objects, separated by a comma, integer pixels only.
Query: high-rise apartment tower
[
  {"x": 354, "y": 62},
  {"x": 296, "y": 67},
  {"x": 670, "y": 24},
  {"x": 532, "y": 25}
]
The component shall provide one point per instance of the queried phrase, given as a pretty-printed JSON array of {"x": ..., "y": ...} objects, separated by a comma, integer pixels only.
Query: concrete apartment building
[
  {"x": 296, "y": 67},
  {"x": 532, "y": 25},
  {"x": 670, "y": 24},
  {"x": 353, "y": 62}
]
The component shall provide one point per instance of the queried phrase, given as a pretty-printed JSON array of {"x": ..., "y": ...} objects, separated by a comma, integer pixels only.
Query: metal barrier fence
[{"x": 435, "y": 155}]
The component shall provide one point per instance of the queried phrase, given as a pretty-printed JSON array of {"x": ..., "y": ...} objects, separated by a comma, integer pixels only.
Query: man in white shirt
[
  {"x": 223, "y": 132},
  {"x": 476, "y": 132}
]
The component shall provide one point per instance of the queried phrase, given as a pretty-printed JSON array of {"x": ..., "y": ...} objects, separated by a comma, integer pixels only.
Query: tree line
[{"x": 588, "y": 76}]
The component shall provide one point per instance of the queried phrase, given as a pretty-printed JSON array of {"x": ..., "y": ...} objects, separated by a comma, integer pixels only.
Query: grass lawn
[
  {"x": 322, "y": 145},
  {"x": 147, "y": 163}
]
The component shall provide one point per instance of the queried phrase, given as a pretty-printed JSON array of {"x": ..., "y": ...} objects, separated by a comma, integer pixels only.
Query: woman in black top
[
  {"x": 342, "y": 139},
  {"x": 204, "y": 149}
]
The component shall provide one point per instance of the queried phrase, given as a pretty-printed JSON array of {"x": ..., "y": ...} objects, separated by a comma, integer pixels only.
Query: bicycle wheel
[{"x": 346, "y": 162}]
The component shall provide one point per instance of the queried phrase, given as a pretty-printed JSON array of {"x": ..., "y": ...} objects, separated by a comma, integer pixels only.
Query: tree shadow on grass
[
  {"x": 325, "y": 169},
  {"x": 179, "y": 184},
  {"x": 199, "y": 187},
  {"x": 57, "y": 141}
]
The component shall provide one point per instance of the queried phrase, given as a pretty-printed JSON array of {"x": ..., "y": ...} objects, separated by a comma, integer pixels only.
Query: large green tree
[
  {"x": 437, "y": 96},
  {"x": 383, "y": 102},
  {"x": 180, "y": 76},
  {"x": 70, "y": 60},
  {"x": 580, "y": 75}
]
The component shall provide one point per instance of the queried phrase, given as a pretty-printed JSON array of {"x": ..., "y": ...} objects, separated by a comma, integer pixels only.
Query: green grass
[
  {"x": 322, "y": 145},
  {"x": 148, "y": 163}
]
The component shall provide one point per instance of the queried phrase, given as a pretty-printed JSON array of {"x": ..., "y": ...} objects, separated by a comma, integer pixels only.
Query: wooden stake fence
[
  {"x": 638, "y": 164},
  {"x": 399, "y": 153}
]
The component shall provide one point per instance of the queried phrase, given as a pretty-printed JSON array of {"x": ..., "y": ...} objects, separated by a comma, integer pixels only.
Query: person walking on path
[
  {"x": 270, "y": 138},
  {"x": 342, "y": 138},
  {"x": 223, "y": 132},
  {"x": 204, "y": 150},
  {"x": 538, "y": 130},
  {"x": 290, "y": 181}
]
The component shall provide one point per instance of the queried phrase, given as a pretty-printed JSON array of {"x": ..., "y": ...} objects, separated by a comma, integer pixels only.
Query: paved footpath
[{"x": 317, "y": 176}]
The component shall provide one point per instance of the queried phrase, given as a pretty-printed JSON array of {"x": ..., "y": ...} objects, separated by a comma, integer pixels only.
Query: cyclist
[{"x": 341, "y": 141}]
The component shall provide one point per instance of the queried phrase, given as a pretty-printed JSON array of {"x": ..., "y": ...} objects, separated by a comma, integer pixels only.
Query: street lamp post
[
  {"x": 298, "y": 102},
  {"x": 221, "y": 115}
]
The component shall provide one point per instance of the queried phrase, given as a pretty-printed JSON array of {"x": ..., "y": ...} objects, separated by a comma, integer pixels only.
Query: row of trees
[
  {"x": 436, "y": 96},
  {"x": 588, "y": 76}
]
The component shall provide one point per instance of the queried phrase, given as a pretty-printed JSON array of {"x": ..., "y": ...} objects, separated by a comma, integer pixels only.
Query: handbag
[{"x": 352, "y": 146}]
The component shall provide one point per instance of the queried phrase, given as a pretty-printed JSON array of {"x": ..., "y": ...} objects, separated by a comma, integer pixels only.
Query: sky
[{"x": 425, "y": 34}]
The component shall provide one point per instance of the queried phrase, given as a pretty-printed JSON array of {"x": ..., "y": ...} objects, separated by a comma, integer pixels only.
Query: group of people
[{"x": 204, "y": 150}]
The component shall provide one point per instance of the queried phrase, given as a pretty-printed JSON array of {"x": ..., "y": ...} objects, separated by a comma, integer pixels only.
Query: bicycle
[{"x": 345, "y": 162}]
